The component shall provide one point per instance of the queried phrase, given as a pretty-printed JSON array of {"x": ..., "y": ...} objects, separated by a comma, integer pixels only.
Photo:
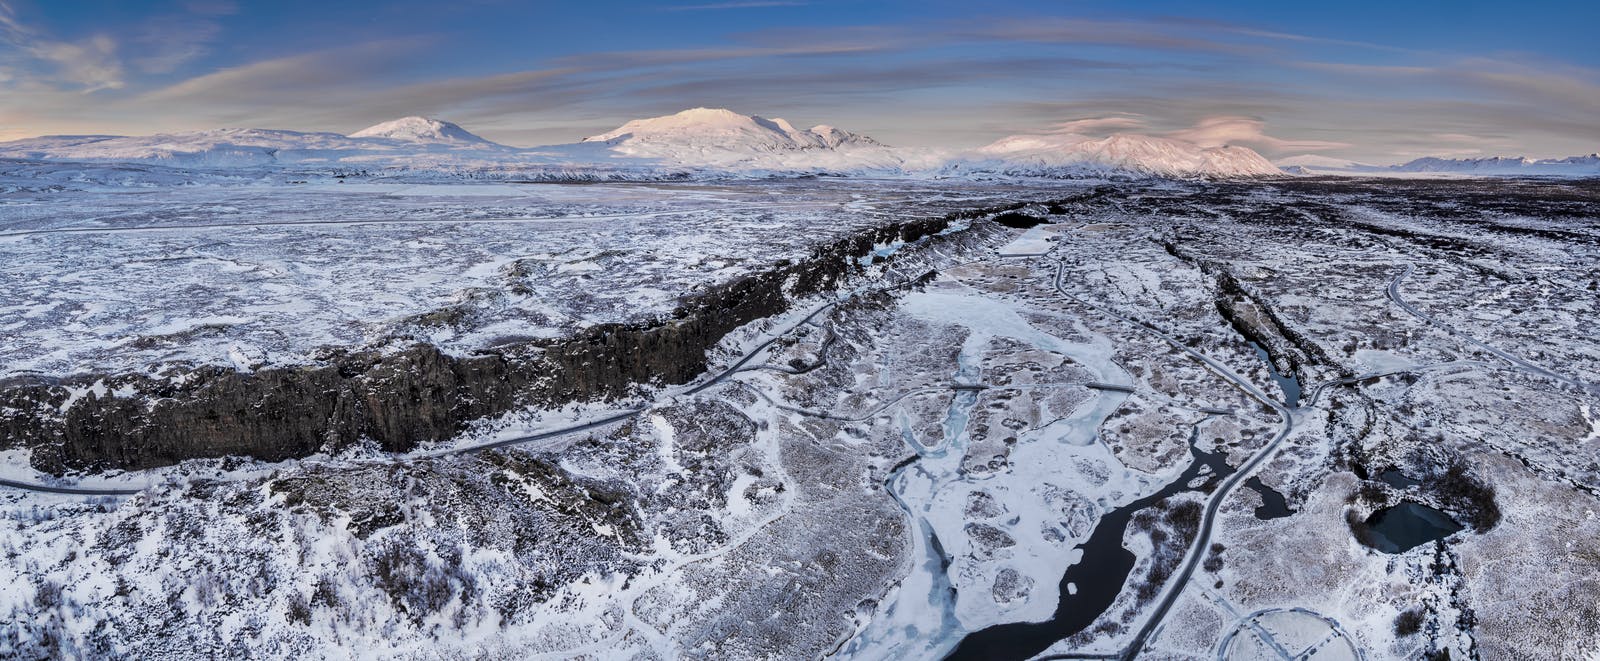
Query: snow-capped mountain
[
  {"x": 1066, "y": 155},
  {"x": 420, "y": 129},
  {"x": 714, "y": 137},
  {"x": 1571, "y": 166},
  {"x": 412, "y": 139},
  {"x": 215, "y": 148},
  {"x": 717, "y": 128},
  {"x": 1575, "y": 166}
]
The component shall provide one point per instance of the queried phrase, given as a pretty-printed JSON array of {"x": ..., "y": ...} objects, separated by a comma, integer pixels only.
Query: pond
[
  {"x": 1398, "y": 479},
  {"x": 1406, "y": 526},
  {"x": 1273, "y": 504}
]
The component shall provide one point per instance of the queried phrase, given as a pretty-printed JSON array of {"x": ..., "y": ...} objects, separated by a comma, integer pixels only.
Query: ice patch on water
[{"x": 947, "y": 594}]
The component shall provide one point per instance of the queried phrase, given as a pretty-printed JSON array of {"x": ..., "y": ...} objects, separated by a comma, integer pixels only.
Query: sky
[{"x": 1380, "y": 82}]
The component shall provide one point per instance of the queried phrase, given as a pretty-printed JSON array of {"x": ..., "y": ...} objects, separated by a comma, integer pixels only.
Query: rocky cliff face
[{"x": 398, "y": 399}]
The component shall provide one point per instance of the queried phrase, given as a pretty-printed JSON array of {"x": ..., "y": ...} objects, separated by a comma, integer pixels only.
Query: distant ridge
[{"x": 1492, "y": 166}]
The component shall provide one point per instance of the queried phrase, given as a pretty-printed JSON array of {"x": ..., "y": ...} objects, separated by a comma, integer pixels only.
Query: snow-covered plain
[
  {"x": 916, "y": 455},
  {"x": 115, "y": 279}
]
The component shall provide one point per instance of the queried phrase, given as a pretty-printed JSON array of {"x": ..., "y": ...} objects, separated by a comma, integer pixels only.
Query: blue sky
[{"x": 1376, "y": 81}]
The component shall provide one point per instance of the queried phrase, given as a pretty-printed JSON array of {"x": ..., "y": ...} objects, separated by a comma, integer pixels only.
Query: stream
[
  {"x": 924, "y": 615},
  {"x": 1098, "y": 576},
  {"x": 1288, "y": 384}
]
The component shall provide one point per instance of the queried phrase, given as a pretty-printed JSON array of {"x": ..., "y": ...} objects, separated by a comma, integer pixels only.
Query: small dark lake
[
  {"x": 1408, "y": 525},
  {"x": 1273, "y": 504},
  {"x": 1397, "y": 478}
]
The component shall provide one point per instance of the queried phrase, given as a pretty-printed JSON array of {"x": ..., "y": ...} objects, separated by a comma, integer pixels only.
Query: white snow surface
[
  {"x": 419, "y": 129},
  {"x": 120, "y": 277},
  {"x": 385, "y": 144},
  {"x": 723, "y": 138},
  {"x": 1066, "y": 154}
]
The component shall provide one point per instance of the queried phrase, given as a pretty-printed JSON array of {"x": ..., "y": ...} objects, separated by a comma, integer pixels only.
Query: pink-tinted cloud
[
  {"x": 1222, "y": 130},
  {"x": 1097, "y": 125}
]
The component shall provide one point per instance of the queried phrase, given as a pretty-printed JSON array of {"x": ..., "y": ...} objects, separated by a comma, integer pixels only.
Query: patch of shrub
[
  {"x": 415, "y": 586},
  {"x": 326, "y": 593},
  {"x": 1459, "y": 490},
  {"x": 1408, "y": 622},
  {"x": 1358, "y": 527},
  {"x": 298, "y": 610},
  {"x": 1373, "y": 492},
  {"x": 1185, "y": 517},
  {"x": 1213, "y": 563},
  {"x": 47, "y": 595}
]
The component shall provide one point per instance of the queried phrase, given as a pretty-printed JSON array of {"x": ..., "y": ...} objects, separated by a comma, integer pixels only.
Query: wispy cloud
[
  {"x": 289, "y": 79},
  {"x": 171, "y": 41},
  {"x": 212, "y": 7},
  {"x": 92, "y": 63},
  {"x": 1092, "y": 125},
  {"x": 1249, "y": 131},
  {"x": 752, "y": 4},
  {"x": 1128, "y": 34}
]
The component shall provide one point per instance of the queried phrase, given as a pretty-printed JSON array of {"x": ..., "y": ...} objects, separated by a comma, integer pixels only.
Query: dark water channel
[
  {"x": 1099, "y": 576},
  {"x": 1102, "y": 571},
  {"x": 1288, "y": 383},
  {"x": 1408, "y": 525}
]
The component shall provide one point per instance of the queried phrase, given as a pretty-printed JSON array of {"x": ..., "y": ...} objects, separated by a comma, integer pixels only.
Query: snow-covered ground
[
  {"x": 116, "y": 279},
  {"x": 885, "y": 471}
]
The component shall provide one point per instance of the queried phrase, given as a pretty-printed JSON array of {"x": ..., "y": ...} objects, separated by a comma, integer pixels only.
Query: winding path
[
  {"x": 1180, "y": 578},
  {"x": 69, "y": 490},
  {"x": 1394, "y": 295}
]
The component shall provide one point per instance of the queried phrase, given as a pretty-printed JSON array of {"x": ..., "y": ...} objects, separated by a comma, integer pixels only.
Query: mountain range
[
  {"x": 1574, "y": 166},
  {"x": 708, "y": 141},
  {"x": 721, "y": 143}
]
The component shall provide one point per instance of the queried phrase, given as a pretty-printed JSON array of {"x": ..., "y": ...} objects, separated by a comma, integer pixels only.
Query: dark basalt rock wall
[{"x": 404, "y": 398}]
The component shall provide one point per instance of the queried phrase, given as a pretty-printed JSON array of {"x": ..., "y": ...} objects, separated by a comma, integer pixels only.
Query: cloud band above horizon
[{"x": 953, "y": 76}]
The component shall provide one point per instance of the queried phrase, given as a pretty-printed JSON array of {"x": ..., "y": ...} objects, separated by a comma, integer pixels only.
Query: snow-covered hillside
[
  {"x": 719, "y": 138},
  {"x": 1581, "y": 166},
  {"x": 412, "y": 140},
  {"x": 1497, "y": 166},
  {"x": 420, "y": 129},
  {"x": 1068, "y": 155}
]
